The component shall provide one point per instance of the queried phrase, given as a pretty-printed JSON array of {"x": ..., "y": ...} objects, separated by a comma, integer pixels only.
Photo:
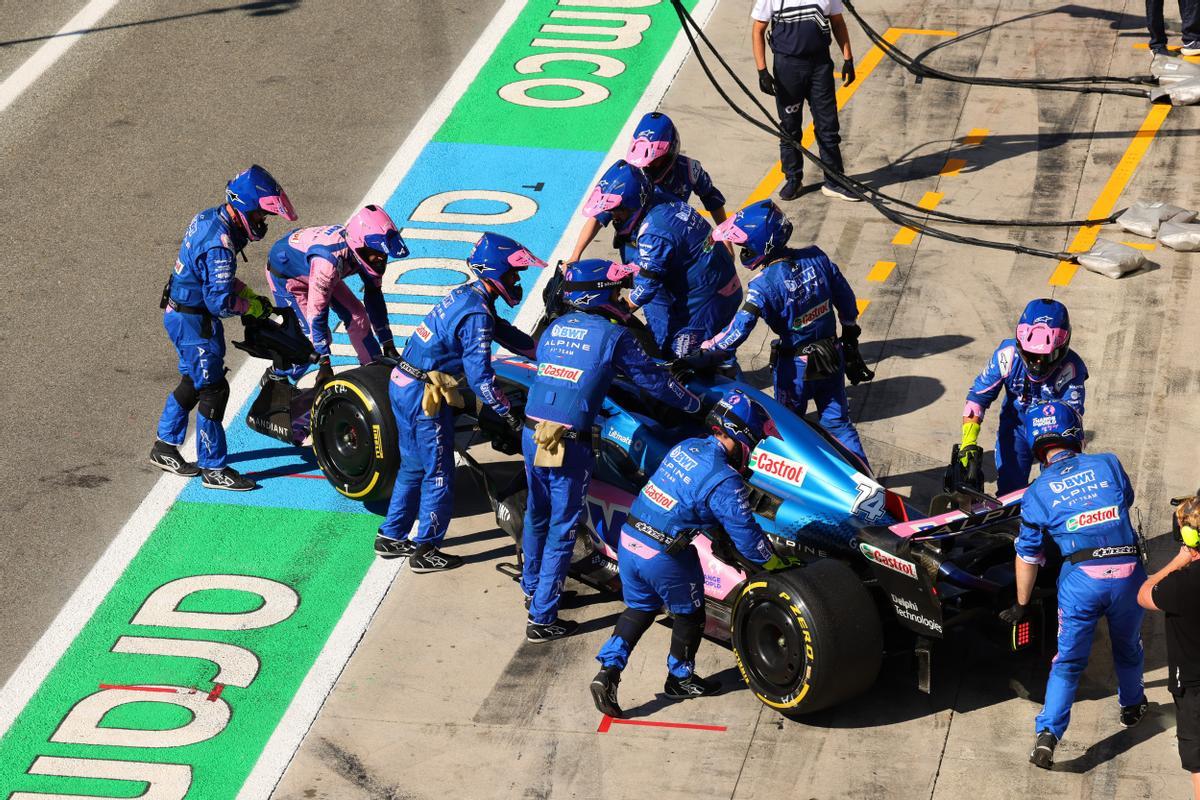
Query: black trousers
[
  {"x": 1189, "y": 13},
  {"x": 1187, "y": 726},
  {"x": 800, "y": 80}
]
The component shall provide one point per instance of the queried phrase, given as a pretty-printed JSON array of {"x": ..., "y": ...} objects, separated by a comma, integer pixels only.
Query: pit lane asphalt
[
  {"x": 444, "y": 693},
  {"x": 105, "y": 160}
]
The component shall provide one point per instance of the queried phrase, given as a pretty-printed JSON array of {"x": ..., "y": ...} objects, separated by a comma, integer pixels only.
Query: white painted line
[
  {"x": 25, "y": 75},
  {"x": 650, "y": 100}
]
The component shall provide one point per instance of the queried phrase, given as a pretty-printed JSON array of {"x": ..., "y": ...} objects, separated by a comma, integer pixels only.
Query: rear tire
[
  {"x": 354, "y": 433},
  {"x": 808, "y": 638}
]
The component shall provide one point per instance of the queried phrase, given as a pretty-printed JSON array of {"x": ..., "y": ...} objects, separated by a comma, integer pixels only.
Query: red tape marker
[
  {"x": 216, "y": 692},
  {"x": 607, "y": 722},
  {"x": 160, "y": 689}
]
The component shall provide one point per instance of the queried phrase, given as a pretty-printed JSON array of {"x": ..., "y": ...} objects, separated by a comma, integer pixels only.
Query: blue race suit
[
  {"x": 306, "y": 270},
  {"x": 686, "y": 176},
  {"x": 1082, "y": 502},
  {"x": 203, "y": 289},
  {"x": 1007, "y": 371},
  {"x": 454, "y": 338},
  {"x": 578, "y": 356},
  {"x": 686, "y": 282},
  {"x": 798, "y": 296},
  {"x": 693, "y": 490}
]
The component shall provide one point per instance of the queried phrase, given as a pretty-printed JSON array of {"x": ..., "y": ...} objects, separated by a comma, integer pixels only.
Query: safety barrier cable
[{"x": 862, "y": 191}]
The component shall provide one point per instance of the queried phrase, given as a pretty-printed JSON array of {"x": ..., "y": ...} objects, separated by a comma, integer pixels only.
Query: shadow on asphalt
[{"x": 258, "y": 8}]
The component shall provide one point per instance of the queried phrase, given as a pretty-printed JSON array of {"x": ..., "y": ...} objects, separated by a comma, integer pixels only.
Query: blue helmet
[
  {"x": 744, "y": 421},
  {"x": 655, "y": 145},
  {"x": 1053, "y": 425},
  {"x": 255, "y": 190},
  {"x": 498, "y": 261},
  {"x": 760, "y": 228},
  {"x": 1043, "y": 337},
  {"x": 623, "y": 188},
  {"x": 593, "y": 283}
]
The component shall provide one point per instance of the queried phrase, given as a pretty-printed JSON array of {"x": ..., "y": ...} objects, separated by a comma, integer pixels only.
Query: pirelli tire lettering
[
  {"x": 354, "y": 433},
  {"x": 806, "y": 638}
]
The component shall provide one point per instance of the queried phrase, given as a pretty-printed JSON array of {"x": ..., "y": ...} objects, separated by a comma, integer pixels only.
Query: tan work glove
[
  {"x": 441, "y": 388},
  {"x": 550, "y": 449}
]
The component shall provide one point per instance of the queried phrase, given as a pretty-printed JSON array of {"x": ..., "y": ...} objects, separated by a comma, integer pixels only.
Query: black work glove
[
  {"x": 513, "y": 420},
  {"x": 766, "y": 84},
  {"x": 696, "y": 361},
  {"x": 822, "y": 360},
  {"x": 390, "y": 351},
  {"x": 1015, "y": 613},
  {"x": 857, "y": 370},
  {"x": 324, "y": 373},
  {"x": 851, "y": 333},
  {"x": 848, "y": 73}
]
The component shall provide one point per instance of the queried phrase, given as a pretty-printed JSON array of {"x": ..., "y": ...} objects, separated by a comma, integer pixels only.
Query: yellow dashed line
[
  {"x": 862, "y": 305},
  {"x": 1174, "y": 52},
  {"x": 975, "y": 136},
  {"x": 952, "y": 167},
  {"x": 906, "y": 236},
  {"x": 1141, "y": 245},
  {"x": 880, "y": 272}
]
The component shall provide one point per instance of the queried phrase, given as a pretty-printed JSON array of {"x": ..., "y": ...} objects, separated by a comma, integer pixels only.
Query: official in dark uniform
[{"x": 800, "y": 34}]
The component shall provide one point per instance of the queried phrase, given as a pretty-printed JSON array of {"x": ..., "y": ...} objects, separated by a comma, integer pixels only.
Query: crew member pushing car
[
  {"x": 688, "y": 286},
  {"x": 798, "y": 294},
  {"x": 202, "y": 291},
  {"x": 577, "y": 356},
  {"x": 655, "y": 150},
  {"x": 454, "y": 338},
  {"x": 1036, "y": 366},
  {"x": 696, "y": 488},
  {"x": 307, "y": 269},
  {"x": 1082, "y": 502}
]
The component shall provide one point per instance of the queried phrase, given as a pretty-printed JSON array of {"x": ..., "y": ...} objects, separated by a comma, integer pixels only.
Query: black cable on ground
[
  {"x": 1090, "y": 84},
  {"x": 692, "y": 29},
  {"x": 843, "y": 179}
]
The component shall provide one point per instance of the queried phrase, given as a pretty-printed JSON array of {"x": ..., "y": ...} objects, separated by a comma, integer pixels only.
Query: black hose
[{"x": 863, "y": 192}]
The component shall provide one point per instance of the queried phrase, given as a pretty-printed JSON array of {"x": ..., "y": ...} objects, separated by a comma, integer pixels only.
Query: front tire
[
  {"x": 354, "y": 433},
  {"x": 807, "y": 638}
]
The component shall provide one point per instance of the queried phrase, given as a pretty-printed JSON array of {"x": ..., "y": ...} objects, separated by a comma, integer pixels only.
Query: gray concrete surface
[
  {"x": 443, "y": 696},
  {"x": 105, "y": 159}
]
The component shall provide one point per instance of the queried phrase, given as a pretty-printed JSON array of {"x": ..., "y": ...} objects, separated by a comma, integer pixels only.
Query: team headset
[{"x": 1187, "y": 534}]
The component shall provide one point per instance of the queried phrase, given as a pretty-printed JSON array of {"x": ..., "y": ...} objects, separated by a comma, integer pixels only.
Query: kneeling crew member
[
  {"x": 201, "y": 292},
  {"x": 797, "y": 295},
  {"x": 1082, "y": 502},
  {"x": 577, "y": 356},
  {"x": 455, "y": 338},
  {"x": 1175, "y": 589},
  {"x": 697, "y": 487}
]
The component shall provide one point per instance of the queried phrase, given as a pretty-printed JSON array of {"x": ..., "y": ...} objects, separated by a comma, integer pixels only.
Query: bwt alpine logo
[
  {"x": 886, "y": 559},
  {"x": 1074, "y": 481},
  {"x": 569, "y": 332},
  {"x": 784, "y": 469},
  {"x": 562, "y": 373},
  {"x": 813, "y": 314},
  {"x": 1088, "y": 518},
  {"x": 659, "y": 497}
]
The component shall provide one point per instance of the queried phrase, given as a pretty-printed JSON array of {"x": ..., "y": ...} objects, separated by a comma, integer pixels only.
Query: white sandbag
[
  {"x": 1180, "y": 235},
  {"x": 1144, "y": 218},
  {"x": 1112, "y": 259},
  {"x": 1182, "y": 93},
  {"x": 1172, "y": 69}
]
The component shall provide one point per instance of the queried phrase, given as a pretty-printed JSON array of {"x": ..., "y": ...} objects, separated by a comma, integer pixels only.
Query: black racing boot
[
  {"x": 168, "y": 458},
  {"x": 428, "y": 558},
  {"x": 604, "y": 691},
  {"x": 791, "y": 190},
  {"x": 1043, "y": 750},
  {"x": 689, "y": 687},
  {"x": 537, "y": 633},
  {"x": 1132, "y": 715},
  {"x": 393, "y": 548},
  {"x": 227, "y": 478}
]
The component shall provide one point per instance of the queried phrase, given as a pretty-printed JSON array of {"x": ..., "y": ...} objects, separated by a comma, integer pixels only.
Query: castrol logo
[
  {"x": 814, "y": 314},
  {"x": 659, "y": 497},
  {"x": 784, "y": 469},
  {"x": 562, "y": 373},
  {"x": 1085, "y": 519},
  {"x": 886, "y": 559},
  {"x": 423, "y": 333}
]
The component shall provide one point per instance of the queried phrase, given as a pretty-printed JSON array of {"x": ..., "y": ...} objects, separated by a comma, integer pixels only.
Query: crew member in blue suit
[
  {"x": 454, "y": 338},
  {"x": 1038, "y": 365},
  {"x": 577, "y": 356},
  {"x": 202, "y": 291},
  {"x": 655, "y": 150},
  {"x": 802, "y": 296},
  {"x": 687, "y": 284},
  {"x": 1082, "y": 502},
  {"x": 697, "y": 487}
]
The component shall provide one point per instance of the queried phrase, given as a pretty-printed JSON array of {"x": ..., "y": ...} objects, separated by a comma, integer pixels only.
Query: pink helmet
[{"x": 373, "y": 229}]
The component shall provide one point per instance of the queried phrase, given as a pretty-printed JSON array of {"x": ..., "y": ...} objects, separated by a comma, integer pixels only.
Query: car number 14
[{"x": 870, "y": 504}]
